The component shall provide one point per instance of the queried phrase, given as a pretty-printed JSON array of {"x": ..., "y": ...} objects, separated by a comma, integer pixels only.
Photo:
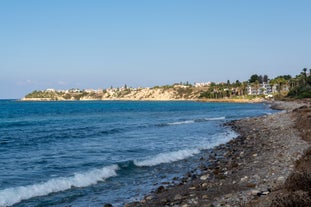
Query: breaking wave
[
  {"x": 14, "y": 195},
  {"x": 196, "y": 120},
  {"x": 182, "y": 122},
  {"x": 167, "y": 157}
]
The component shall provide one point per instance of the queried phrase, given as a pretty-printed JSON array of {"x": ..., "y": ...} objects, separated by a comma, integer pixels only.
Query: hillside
[
  {"x": 255, "y": 89},
  {"x": 175, "y": 92}
]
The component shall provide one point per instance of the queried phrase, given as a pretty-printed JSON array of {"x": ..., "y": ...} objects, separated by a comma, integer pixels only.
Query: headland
[{"x": 163, "y": 93}]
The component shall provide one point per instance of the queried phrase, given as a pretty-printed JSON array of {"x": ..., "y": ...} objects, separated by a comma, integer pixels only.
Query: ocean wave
[
  {"x": 195, "y": 121},
  {"x": 11, "y": 196},
  {"x": 215, "y": 118},
  {"x": 167, "y": 157},
  {"x": 174, "y": 156},
  {"x": 112, "y": 131},
  {"x": 218, "y": 139},
  {"x": 12, "y": 124},
  {"x": 182, "y": 122}
]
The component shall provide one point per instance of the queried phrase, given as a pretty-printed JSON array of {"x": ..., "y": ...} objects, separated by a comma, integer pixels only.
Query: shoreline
[
  {"x": 222, "y": 100},
  {"x": 249, "y": 170}
]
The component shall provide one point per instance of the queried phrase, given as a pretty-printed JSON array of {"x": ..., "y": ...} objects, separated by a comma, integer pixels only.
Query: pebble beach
[{"x": 254, "y": 169}]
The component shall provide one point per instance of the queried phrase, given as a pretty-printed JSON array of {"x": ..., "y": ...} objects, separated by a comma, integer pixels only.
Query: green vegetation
[
  {"x": 301, "y": 85},
  {"x": 280, "y": 87},
  {"x": 42, "y": 94},
  {"x": 225, "y": 90},
  {"x": 184, "y": 92}
]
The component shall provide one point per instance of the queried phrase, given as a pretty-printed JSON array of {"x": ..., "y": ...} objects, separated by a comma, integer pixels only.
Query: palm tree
[{"x": 305, "y": 71}]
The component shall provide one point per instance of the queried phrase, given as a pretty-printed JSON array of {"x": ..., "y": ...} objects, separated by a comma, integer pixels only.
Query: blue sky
[{"x": 65, "y": 44}]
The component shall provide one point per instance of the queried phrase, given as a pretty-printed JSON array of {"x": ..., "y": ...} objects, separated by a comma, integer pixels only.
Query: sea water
[{"x": 97, "y": 152}]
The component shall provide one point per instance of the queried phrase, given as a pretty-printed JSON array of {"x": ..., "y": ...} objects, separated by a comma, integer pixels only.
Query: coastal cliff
[
  {"x": 158, "y": 93},
  {"x": 175, "y": 92}
]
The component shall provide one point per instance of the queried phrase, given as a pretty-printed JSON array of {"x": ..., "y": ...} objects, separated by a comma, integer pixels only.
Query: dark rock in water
[
  {"x": 108, "y": 205},
  {"x": 160, "y": 189}
]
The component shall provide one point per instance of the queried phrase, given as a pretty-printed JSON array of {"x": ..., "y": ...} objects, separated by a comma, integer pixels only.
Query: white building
[
  {"x": 202, "y": 84},
  {"x": 261, "y": 89},
  {"x": 50, "y": 90}
]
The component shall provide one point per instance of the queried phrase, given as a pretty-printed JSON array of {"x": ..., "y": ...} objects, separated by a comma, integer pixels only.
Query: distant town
[
  {"x": 258, "y": 86},
  {"x": 261, "y": 89}
]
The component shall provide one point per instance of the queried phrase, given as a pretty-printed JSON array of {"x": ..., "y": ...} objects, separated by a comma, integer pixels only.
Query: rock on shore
[{"x": 250, "y": 170}]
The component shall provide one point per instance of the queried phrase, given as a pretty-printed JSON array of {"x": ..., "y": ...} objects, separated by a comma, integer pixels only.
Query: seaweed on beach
[
  {"x": 292, "y": 199},
  {"x": 299, "y": 181},
  {"x": 297, "y": 188}
]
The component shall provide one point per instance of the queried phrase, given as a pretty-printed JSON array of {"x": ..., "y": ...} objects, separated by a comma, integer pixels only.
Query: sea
[{"x": 90, "y": 153}]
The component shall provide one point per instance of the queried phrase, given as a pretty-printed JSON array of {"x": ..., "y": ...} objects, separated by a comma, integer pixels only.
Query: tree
[
  {"x": 254, "y": 78},
  {"x": 237, "y": 83},
  {"x": 265, "y": 79},
  {"x": 309, "y": 77},
  {"x": 305, "y": 72},
  {"x": 301, "y": 85},
  {"x": 260, "y": 79}
]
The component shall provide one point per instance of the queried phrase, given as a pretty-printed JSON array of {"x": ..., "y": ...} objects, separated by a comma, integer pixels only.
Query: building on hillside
[
  {"x": 202, "y": 84},
  {"x": 89, "y": 90},
  {"x": 266, "y": 89},
  {"x": 50, "y": 90},
  {"x": 74, "y": 90},
  {"x": 261, "y": 89}
]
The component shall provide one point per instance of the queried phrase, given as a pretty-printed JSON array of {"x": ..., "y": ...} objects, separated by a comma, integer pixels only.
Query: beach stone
[
  {"x": 204, "y": 177},
  {"x": 160, "y": 189},
  {"x": 255, "y": 192},
  {"x": 193, "y": 201},
  {"x": 205, "y": 197},
  {"x": 204, "y": 185},
  {"x": 281, "y": 179},
  {"x": 148, "y": 198},
  {"x": 256, "y": 177},
  {"x": 177, "y": 197},
  {"x": 165, "y": 201},
  {"x": 265, "y": 192},
  {"x": 244, "y": 179},
  {"x": 229, "y": 195}
]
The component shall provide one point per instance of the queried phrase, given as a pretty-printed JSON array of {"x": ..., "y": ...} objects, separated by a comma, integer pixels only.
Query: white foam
[
  {"x": 15, "y": 195},
  {"x": 167, "y": 157},
  {"x": 197, "y": 120},
  {"x": 182, "y": 122},
  {"x": 218, "y": 139},
  {"x": 215, "y": 118}
]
